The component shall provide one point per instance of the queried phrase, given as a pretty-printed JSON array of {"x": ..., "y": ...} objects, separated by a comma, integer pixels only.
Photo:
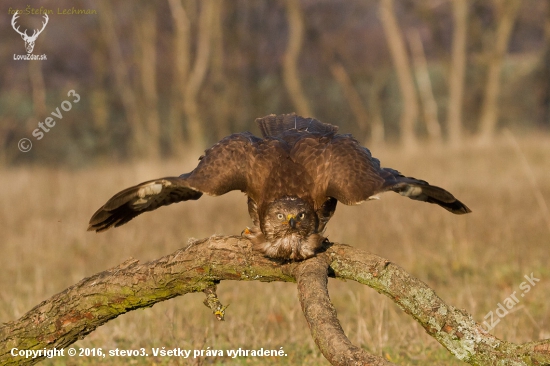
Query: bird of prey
[{"x": 293, "y": 176}]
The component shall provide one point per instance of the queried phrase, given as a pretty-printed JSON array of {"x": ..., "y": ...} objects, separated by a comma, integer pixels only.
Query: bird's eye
[
  {"x": 301, "y": 215},
  {"x": 280, "y": 216}
]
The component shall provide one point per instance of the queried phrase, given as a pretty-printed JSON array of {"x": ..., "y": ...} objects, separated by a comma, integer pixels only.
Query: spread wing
[
  {"x": 347, "y": 171},
  {"x": 134, "y": 201},
  {"x": 223, "y": 168}
]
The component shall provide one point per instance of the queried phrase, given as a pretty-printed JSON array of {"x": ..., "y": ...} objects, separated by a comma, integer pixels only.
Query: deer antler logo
[{"x": 29, "y": 41}]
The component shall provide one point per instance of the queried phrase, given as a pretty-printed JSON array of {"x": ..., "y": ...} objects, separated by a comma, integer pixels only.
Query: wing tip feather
[{"x": 133, "y": 201}]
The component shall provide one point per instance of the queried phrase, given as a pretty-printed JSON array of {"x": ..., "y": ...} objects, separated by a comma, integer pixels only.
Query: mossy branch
[{"x": 81, "y": 308}]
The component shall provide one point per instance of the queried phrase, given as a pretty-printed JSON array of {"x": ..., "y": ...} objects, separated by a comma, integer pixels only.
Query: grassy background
[{"x": 472, "y": 262}]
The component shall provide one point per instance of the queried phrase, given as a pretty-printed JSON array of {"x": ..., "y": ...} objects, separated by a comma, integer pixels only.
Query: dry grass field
[{"x": 472, "y": 261}]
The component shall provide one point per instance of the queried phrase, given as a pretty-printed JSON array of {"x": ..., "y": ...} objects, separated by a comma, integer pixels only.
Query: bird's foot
[{"x": 253, "y": 234}]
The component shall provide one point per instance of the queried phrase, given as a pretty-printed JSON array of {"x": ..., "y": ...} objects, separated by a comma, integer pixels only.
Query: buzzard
[{"x": 293, "y": 177}]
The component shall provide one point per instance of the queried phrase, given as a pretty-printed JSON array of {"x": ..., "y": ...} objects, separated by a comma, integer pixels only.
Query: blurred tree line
[{"x": 158, "y": 78}]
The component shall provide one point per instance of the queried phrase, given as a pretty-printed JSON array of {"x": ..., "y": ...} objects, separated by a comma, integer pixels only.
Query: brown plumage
[{"x": 293, "y": 178}]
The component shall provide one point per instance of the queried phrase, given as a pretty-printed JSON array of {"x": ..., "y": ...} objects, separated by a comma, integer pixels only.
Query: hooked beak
[{"x": 292, "y": 221}]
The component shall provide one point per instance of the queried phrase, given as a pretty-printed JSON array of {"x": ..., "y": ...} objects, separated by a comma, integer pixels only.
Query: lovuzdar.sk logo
[{"x": 29, "y": 40}]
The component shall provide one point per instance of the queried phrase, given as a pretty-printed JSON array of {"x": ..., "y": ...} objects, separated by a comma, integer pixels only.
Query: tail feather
[{"x": 274, "y": 125}]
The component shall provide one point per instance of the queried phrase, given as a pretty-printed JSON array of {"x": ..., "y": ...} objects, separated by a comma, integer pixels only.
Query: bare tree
[
  {"x": 99, "y": 99},
  {"x": 401, "y": 62},
  {"x": 81, "y": 308},
  {"x": 218, "y": 81},
  {"x": 36, "y": 78},
  {"x": 122, "y": 79},
  {"x": 352, "y": 96},
  {"x": 377, "y": 83},
  {"x": 195, "y": 124},
  {"x": 182, "y": 50},
  {"x": 290, "y": 62},
  {"x": 542, "y": 89},
  {"x": 424, "y": 83},
  {"x": 507, "y": 10},
  {"x": 146, "y": 42},
  {"x": 457, "y": 72}
]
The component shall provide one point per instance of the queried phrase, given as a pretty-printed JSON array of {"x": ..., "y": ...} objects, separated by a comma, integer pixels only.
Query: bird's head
[{"x": 290, "y": 214}]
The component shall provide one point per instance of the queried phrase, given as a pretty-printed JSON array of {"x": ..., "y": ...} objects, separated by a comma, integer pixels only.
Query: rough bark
[
  {"x": 77, "y": 311},
  {"x": 320, "y": 314}
]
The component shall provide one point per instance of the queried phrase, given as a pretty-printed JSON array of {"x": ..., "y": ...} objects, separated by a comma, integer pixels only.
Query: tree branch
[
  {"x": 312, "y": 278},
  {"x": 81, "y": 308}
]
